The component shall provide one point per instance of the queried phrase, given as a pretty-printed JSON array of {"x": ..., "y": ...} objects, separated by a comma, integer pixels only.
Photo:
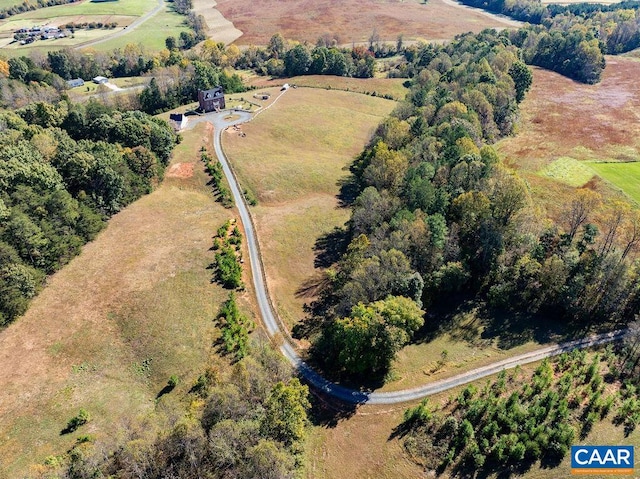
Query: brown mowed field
[
  {"x": 353, "y": 20},
  {"x": 140, "y": 291},
  {"x": 563, "y": 118}
]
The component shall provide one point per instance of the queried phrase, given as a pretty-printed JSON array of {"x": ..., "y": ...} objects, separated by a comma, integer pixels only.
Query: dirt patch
[
  {"x": 180, "y": 170},
  {"x": 352, "y": 20}
]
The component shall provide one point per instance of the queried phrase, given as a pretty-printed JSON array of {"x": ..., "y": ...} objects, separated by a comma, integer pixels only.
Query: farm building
[
  {"x": 100, "y": 80},
  {"x": 211, "y": 100},
  {"x": 75, "y": 82}
]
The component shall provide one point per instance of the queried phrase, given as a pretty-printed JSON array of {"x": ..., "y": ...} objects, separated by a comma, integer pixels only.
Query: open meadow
[
  {"x": 110, "y": 328},
  {"x": 291, "y": 157},
  {"x": 308, "y": 20},
  {"x": 151, "y": 33},
  {"x": 567, "y": 126}
]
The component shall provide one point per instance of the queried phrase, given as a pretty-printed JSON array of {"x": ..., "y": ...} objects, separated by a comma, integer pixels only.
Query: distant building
[
  {"x": 74, "y": 83},
  {"x": 211, "y": 100},
  {"x": 100, "y": 80},
  {"x": 178, "y": 121}
]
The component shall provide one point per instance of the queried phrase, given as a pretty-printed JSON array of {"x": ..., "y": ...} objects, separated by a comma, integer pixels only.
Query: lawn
[
  {"x": 111, "y": 327},
  {"x": 625, "y": 176},
  {"x": 393, "y": 87}
]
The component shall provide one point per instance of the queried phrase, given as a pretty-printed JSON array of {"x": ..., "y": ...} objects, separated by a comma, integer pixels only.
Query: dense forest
[
  {"x": 64, "y": 169},
  {"x": 437, "y": 215}
]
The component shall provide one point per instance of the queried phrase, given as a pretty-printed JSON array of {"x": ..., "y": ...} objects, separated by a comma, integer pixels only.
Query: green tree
[
  {"x": 297, "y": 60},
  {"x": 522, "y": 78},
  {"x": 285, "y": 412}
]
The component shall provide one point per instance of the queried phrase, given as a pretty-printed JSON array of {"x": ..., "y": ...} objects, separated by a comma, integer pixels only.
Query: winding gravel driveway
[{"x": 275, "y": 330}]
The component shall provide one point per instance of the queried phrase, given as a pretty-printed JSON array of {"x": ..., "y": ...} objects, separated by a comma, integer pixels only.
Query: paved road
[
  {"x": 274, "y": 329},
  {"x": 126, "y": 30}
]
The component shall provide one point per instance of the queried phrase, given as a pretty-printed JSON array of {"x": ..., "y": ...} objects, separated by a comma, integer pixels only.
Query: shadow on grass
[
  {"x": 328, "y": 412},
  {"x": 165, "y": 390},
  {"x": 349, "y": 190},
  {"x": 330, "y": 247}
]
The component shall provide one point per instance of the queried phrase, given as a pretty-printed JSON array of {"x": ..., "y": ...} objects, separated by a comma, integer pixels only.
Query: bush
[{"x": 75, "y": 422}]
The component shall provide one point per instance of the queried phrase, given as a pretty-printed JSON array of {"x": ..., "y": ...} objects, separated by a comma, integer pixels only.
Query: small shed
[
  {"x": 100, "y": 80},
  {"x": 178, "y": 121},
  {"x": 211, "y": 100},
  {"x": 75, "y": 82}
]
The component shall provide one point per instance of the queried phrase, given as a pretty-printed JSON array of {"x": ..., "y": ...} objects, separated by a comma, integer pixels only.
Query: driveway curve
[{"x": 225, "y": 119}]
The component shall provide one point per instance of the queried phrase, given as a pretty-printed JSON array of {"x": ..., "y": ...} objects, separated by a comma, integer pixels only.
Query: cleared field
[
  {"x": 353, "y": 20},
  {"x": 121, "y": 7},
  {"x": 111, "y": 327},
  {"x": 151, "y": 34},
  {"x": 562, "y": 118},
  {"x": 569, "y": 171},
  {"x": 9, "y": 3},
  {"x": 291, "y": 157},
  {"x": 625, "y": 176},
  {"x": 380, "y": 86},
  {"x": 218, "y": 28}
]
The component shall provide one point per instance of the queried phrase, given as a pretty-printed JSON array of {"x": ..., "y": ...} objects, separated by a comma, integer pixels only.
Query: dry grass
[
  {"x": 140, "y": 291},
  {"x": 292, "y": 157},
  {"x": 353, "y": 20},
  {"x": 563, "y": 118},
  {"x": 379, "y": 86}
]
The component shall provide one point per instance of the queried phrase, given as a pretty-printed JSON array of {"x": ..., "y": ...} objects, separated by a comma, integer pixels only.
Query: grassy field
[
  {"x": 292, "y": 157},
  {"x": 9, "y": 3},
  {"x": 625, "y": 176},
  {"x": 308, "y": 20},
  {"x": 563, "y": 119},
  {"x": 134, "y": 8},
  {"x": 380, "y": 86},
  {"x": 569, "y": 171},
  {"x": 140, "y": 291},
  {"x": 151, "y": 34}
]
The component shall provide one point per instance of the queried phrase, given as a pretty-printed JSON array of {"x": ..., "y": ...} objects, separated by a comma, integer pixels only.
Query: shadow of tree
[
  {"x": 349, "y": 190},
  {"x": 330, "y": 247},
  {"x": 328, "y": 412}
]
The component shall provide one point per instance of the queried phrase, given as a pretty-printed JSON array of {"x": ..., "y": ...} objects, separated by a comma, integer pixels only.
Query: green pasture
[
  {"x": 151, "y": 33},
  {"x": 121, "y": 7},
  {"x": 623, "y": 176},
  {"x": 569, "y": 171}
]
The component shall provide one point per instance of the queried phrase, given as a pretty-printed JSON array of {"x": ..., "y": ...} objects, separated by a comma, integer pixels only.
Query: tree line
[
  {"x": 64, "y": 169},
  {"x": 436, "y": 215},
  {"x": 571, "y": 39}
]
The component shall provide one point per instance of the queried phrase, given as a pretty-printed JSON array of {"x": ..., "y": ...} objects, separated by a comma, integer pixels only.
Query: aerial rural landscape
[{"x": 298, "y": 239}]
